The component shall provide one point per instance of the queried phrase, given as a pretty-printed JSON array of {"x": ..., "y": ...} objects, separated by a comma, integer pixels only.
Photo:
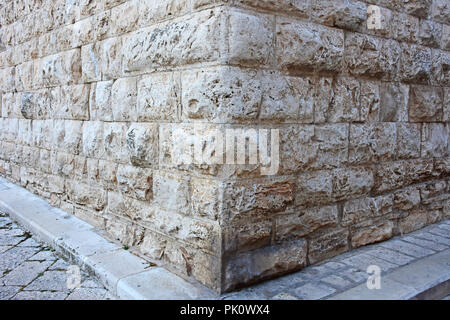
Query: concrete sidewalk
[{"x": 415, "y": 266}]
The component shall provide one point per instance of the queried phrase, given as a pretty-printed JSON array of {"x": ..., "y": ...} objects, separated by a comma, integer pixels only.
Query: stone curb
[
  {"x": 124, "y": 274},
  {"x": 421, "y": 279}
]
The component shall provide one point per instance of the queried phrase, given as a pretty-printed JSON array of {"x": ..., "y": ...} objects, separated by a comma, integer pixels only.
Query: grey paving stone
[
  {"x": 15, "y": 256},
  {"x": 9, "y": 238},
  {"x": 50, "y": 280},
  {"x": 40, "y": 295},
  {"x": 426, "y": 243},
  {"x": 5, "y": 248},
  {"x": 355, "y": 275},
  {"x": 25, "y": 273},
  {"x": 4, "y": 222},
  {"x": 440, "y": 232},
  {"x": 363, "y": 261},
  {"x": 89, "y": 283},
  {"x": 390, "y": 256},
  {"x": 30, "y": 242},
  {"x": 337, "y": 281},
  {"x": 284, "y": 296},
  {"x": 432, "y": 237},
  {"x": 314, "y": 291},
  {"x": 7, "y": 292},
  {"x": 445, "y": 226},
  {"x": 407, "y": 248},
  {"x": 59, "y": 264},
  {"x": 87, "y": 294},
  {"x": 44, "y": 255}
]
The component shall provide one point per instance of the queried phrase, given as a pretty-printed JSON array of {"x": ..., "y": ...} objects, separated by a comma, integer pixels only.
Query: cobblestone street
[{"x": 30, "y": 271}]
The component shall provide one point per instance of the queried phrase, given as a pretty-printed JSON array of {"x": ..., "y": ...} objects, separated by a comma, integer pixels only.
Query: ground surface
[
  {"x": 31, "y": 271},
  {"x": 411, "y": 254}
]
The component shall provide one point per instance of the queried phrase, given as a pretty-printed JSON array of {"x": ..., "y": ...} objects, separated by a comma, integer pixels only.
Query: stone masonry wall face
[{"x": 92, "y": 92}]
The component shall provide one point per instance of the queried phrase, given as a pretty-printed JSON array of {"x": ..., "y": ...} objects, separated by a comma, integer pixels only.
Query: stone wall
[{"x": 93, "y": 91}]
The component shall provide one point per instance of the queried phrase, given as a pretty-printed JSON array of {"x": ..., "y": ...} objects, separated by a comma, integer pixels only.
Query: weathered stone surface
[
  {"x": 441, "y": 11},
  {"x": 394, "y": 102},
  {"x": 123, "y": 99},
  {"x": 307, "y": 221},
  {"x": 265, "y": 262},
  {"x": 425, "y": 104},
  {"x": 328, "y": 245},
  {"x": 417, "y": 219},
  {"x": 370, "y": 56},
  {"x": 408, "y": 140},
  {"x": 415, "y": 63},
  {"x": 206, "y": 94},
  {"x": 251, "y": 38},
  {"x": 342, "y": 14},
  {"x": 321, "y": 48},
  {"x": 375, "y": 233},
  {"x": 435, "y": 140},
  {"x": 142, "y": 144},
  {"x": 372, "y": 142},
  {"x": 177, "y": 42},
  {"x": 158, "y": 97}
]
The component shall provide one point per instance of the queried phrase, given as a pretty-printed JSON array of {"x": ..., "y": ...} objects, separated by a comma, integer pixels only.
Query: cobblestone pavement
[
  {"x": 348, "y": 270},
  {"x": 31, "y": 271}
]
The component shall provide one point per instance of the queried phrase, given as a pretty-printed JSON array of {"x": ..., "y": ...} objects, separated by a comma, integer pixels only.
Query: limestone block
[
  {"x": 115, "y": 141},
  {"x": 59, "y": 69},
  {"x": 441, "y": 11},
  {"x": 394, "y": 102},
  {"x": 24, "y": 76},
  {"x": 415, "y": 63},
  {"x": 251, "y": 39},
  {"x": 363, "y": 209},
  {"x": 425, "y": 104},
  {"x": 171, "y": 191},
  {"x": 93, "y": 141},
  {"x": 408, "y": 140},
  {"x": 370, "y": 101},
  {"x": 293, "y": 7},
  {"x": 305, "y": 222},
  {"x": 430, "y": 33},
  {"x": 371, "y": 234},
  {"x": 100, "y": 104},
  {"x": 142, "y": 144},
  {"x": 440, "y": 69},
  {"x": 415, "y": 220},
  {"x": 370, "y": 56},
  {"x": 407, "y": 199},
  {"x": 123, "y": 231},
  {"x": 154, "y": 11},
  {"x": 405, "y": 28},
  {"x": 350, "y": 15},
  {"x": 247, "y": 198},
  {"x": 158, "y": 97},
  {"x": 206, "y": 94},
  {"x": 372, "y": 142},
  {"x": 123, "y": 99},
  {"x": 135, "y": 182},
  {"x": 264, "y": 263},
  {"x": 125, "y": 17},
  {"x": 287, "y": 98},
  {"x": 305, "y": 46},
  {"x": 328, "y": 245},
  {"x": 176, "y": 42},
  {"x": 206, "y": 198},
  {"x": 73, "y": 103},
  {"x": 435, "y": 140},
  {"x": 445, "y": 37}
]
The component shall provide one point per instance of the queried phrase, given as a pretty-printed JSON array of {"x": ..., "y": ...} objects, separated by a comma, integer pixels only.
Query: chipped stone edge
[{"x": 81, "y": 244}]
